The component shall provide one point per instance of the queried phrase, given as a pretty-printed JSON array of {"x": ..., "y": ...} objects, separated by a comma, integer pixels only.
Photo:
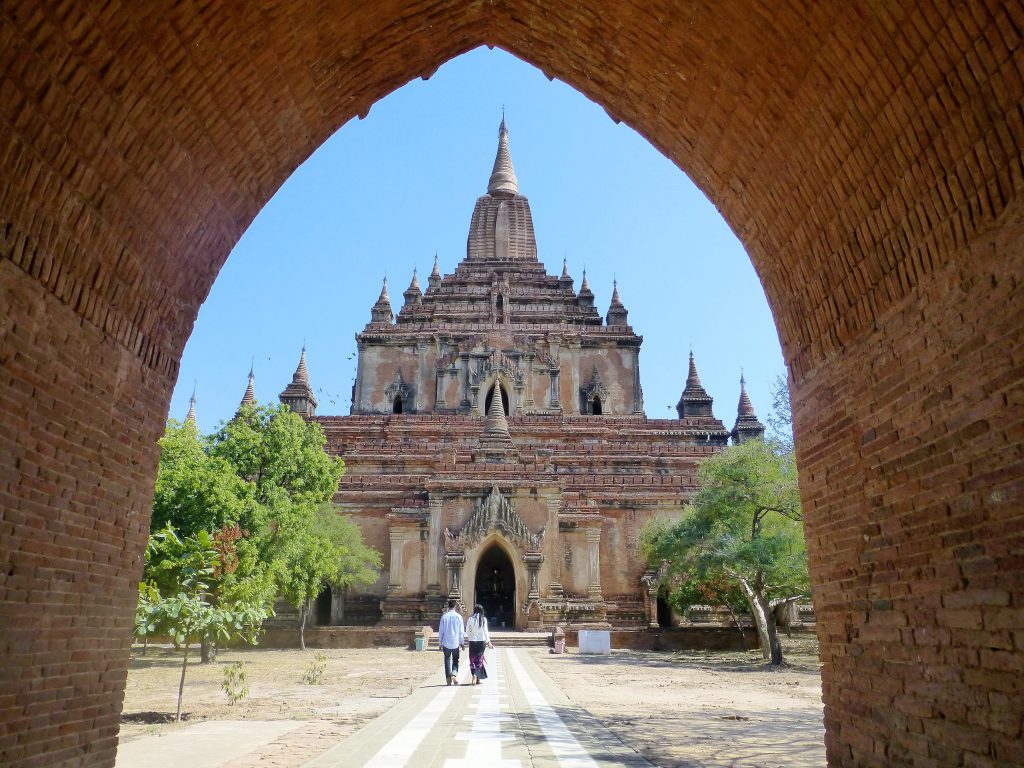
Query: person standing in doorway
[
  {"x": 479, "y": 640},
  {"x": 451, "y": 636}
]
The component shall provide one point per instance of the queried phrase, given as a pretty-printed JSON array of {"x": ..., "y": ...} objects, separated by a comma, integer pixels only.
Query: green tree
[
  {"x": 330, "y": 551},
  {"x": 745, "y": 526},
  {"x": 200, "y": 492},
  {"x": 262, "y": 484},
  {"x": 780, "y": 420},
  {"x": 306, "y": 544},
  {"x": 177, "y": 598},
  {"x": 194, "y": 490}
]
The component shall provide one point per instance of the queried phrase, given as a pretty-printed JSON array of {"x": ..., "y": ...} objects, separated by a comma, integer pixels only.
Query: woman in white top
[{"x": 479, "y": 639}]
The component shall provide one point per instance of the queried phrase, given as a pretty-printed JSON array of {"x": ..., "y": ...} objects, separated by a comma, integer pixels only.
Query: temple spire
[
  {"x": 586, "y": 296},
  {"x": 585, "y": 286},
  {"x": 503, "y": 177},
  {"x": 249, "y": 398},
  {"x": 695, "y": 400},
  {"x": 745, "y": 407},
  {"x": 565, "y": 270},
  {"x": 413, "y": 295},
  {"x": 496, "y": 423},
  {"x": 435, "y": 275},
  {"x": 298, "y": 395},
  {"x": 190, "y": 417},
  {"x": 747, "y": 425},
  {"x": 381, "y": 311},
  {"x": 617, "y": 314},
  {"x": 692, "y": 377},
  {"x": 616, "y": 301}
]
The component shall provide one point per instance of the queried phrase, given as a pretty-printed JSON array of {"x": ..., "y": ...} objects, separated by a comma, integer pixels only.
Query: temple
[{"x": 497, "y": 450}]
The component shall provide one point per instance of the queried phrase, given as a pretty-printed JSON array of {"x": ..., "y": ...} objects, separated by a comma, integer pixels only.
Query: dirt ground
[
  {"x": 712, "y": 709},
  {"x": 680, "y": 710}
]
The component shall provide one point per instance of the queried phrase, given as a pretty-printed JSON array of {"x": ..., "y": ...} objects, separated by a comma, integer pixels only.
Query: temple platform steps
[{"x": 510, "y": 640}]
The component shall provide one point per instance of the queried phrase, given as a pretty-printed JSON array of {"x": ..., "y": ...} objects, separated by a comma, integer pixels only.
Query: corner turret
[
  {"x": 381, "y": 311},
  {"x": 695, "y": 401},
  {"x": 747, "y": 425},
  {"x": 617, "y": 313},
  {"x": 298, "y": 395},
  {"x": 435, "y": 276},
  {"x": 586, "y": 296},
  {"x": 413, "y": 295}
]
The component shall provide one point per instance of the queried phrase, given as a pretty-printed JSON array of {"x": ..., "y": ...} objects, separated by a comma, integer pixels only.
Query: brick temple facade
[{"x": 497, "y": 450}]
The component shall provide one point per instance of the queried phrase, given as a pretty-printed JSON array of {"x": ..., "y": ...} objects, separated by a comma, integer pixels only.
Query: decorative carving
[
  {"x": 498, "y": 363},
  {"x": 595, "y": 391},
  {"x": 399, "y": 388},
  {"x": 496, "y": 511}
]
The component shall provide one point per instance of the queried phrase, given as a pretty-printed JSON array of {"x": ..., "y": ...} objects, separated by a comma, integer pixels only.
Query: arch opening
[
  {"x": 322, "y": 608},
  {"x": 840, "y": 308},
  {"x": 495, "y": 587},
  {"x": 396, "y": 406}
]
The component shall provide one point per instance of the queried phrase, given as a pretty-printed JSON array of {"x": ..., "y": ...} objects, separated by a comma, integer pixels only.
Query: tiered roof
[{"x": 501, "y": 261}]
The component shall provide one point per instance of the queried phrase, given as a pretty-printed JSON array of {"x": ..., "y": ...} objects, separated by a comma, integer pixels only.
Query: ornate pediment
[
  {"x": 496, "y": 512},
  {"x": 399, "y": 388},
  {"x": 596, "y": 390},
  {"x": 498, "y": 362}
]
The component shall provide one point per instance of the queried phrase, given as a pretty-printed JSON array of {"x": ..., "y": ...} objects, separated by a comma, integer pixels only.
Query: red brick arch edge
[{"x": 869, "y": 157}]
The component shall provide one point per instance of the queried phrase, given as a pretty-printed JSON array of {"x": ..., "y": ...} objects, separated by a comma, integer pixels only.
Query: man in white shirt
[{"x": 450, "y": 636}]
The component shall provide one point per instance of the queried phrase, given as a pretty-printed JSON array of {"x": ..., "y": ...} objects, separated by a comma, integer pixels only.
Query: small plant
[
  {"x": 314, "y": 674},
  {"x": 236, "y": 682}
]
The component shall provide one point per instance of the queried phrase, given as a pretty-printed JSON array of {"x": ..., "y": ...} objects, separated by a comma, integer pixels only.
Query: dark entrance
[
  {"x": 322, "y": 608},
  {"x": 495, "y": 588},
  {"x": 664, "y": 612}
]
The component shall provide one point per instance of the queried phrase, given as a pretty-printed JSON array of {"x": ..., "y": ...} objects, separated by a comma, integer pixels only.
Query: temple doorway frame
[{"x": 519, "y": 576}]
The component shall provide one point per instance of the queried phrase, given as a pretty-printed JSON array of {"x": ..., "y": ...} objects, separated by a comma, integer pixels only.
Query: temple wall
[
  {"x": 377, "y": 367},
  {"x": 616, "y": 367}
]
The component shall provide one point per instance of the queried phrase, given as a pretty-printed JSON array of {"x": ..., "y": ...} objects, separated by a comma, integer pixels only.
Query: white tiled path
[{"x": 517, "y": 718}]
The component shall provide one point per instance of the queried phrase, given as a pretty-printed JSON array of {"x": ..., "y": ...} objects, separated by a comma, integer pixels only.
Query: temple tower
[
  {"x": 747, "y": 425},
  {"x": 298, "y": 395}
]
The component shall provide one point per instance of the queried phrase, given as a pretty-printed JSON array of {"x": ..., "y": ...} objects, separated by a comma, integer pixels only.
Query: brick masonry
[{"x": 869, "y": 157}]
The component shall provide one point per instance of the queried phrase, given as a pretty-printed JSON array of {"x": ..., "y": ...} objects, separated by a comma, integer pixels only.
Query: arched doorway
[
  {"x": 322, "y": 608},
  {"x": 664, "y": 612},
  {"x": 878, "y": 246},
  {"x": 495, "y": 588}
]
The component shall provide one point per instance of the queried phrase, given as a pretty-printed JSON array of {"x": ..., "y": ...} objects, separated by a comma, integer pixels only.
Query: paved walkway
[{"x": 517, "y": 718}]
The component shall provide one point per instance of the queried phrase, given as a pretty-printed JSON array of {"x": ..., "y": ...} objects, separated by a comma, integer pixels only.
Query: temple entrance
[
  {"x": 664, "y": 612},
  {"x": 495, "y": 588},
  {"x": 322, "y": 608}
]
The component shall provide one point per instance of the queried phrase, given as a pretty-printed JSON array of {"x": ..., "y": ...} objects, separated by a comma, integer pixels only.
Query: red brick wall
[
  {"x": 868, "y": 155},
  {"x": 77, "y": 458},
  {"x": 912, "y": 472}
]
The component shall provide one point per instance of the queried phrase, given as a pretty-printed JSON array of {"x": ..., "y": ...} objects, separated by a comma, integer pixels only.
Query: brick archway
[{"x": 868, "y": 157}]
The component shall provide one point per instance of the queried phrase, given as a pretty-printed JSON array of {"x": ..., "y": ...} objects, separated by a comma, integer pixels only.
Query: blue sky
[{"x": 384, "y": 194}]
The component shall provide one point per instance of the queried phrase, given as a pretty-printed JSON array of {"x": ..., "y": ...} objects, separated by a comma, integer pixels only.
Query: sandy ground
[
  {"x": 357, "y": 686},
  {"x": 677, "y": 709},
  {"x": 691, "y": 709}
]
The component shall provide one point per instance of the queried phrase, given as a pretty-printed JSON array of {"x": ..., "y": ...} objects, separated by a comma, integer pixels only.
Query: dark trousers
[{"x": 451, "y": 662}]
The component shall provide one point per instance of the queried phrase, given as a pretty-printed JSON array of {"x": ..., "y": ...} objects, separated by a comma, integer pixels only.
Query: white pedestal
[{"x": 595, "y": 641}]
